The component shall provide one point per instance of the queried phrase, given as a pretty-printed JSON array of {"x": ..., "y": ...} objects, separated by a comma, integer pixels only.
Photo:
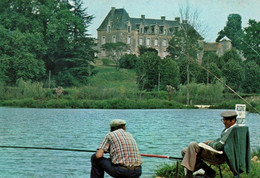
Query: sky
[{"x": 213, "y": 13}]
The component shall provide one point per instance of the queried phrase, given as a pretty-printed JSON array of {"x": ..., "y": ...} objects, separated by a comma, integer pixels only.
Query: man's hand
[
  {"x": 207, "y": 142},
  {"x": 99, "y": 153}
]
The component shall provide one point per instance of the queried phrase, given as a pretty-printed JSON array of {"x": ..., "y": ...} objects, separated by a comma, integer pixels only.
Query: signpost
[{"x": 241, "y": 114}]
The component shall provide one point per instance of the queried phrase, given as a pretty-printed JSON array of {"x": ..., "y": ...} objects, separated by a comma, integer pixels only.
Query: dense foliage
[
  {"x": 41, "y": 37},
  {"x": 232, "y": 30}
]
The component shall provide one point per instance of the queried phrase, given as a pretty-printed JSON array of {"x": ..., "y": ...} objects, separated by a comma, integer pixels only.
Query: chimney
[
  {"x": 143, "y": 17},
  {"x": 184, "y": 21},
  {"x": 162, "y": 17},
  {"x": 177, "y": 19},
  {"x": 113, "y": 8}
]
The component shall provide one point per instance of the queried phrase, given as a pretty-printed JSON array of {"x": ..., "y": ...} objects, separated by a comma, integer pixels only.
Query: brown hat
[{"x": 228, "y": 114}]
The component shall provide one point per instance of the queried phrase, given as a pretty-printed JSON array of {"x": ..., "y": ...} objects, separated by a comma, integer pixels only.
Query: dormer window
[
  {"x": 146, "y": 29},
  {"x": 108, "y": 28},
  {"x": 128, "y": 28}
]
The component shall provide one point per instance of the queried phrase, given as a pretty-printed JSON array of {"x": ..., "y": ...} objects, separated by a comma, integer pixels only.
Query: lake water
[{"x": 161, "y": 131}]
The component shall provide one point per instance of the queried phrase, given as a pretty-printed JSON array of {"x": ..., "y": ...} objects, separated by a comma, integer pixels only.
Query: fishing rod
[{"x": 80, "y": 150}]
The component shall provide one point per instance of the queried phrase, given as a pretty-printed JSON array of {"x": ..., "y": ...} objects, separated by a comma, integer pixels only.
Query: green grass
[
  {"x": 110, "y": 78},
  {"x": 169, "y": 170}
]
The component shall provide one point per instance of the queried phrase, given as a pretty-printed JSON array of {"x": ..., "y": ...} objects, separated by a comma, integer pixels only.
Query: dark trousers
[{"x": 98, "y": 166}]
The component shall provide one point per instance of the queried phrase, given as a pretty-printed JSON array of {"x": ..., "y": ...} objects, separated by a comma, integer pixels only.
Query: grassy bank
[
  {"x": 112, "y": 89},
  {"x": 169, "y": 170}
]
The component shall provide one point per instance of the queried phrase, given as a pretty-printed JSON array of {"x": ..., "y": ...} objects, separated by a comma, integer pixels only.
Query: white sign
[{"x": 241, "y": 113}]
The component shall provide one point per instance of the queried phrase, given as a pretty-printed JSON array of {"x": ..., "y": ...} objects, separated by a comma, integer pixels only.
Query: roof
[
  {"x": 120, "y": 18},
  {"x": 212, "y": 46}
]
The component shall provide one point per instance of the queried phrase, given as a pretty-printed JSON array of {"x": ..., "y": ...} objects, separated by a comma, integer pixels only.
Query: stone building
[
  {"x": 219, "y": 47},
  {"x": 118, "y": 26}
]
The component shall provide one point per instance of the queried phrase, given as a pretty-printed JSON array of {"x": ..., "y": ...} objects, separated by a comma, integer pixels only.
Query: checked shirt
[{"x": 122, "y": 148}]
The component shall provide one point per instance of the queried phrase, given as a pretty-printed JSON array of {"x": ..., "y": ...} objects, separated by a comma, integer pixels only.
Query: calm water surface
[{"x": 163, "y": 132}]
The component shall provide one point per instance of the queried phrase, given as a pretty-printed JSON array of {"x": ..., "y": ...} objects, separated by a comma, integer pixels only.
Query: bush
[
  {"x": 106, "y": 62},
  {"x": 201, "y": 93},
  {"x": 128, "y": 61}
]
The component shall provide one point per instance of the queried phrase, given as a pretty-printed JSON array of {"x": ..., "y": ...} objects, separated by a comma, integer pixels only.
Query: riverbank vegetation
[
  {"x": 112, "y": 89},
  {"x": 47, "y": 59},
  {"x": 169, "y": 170}
]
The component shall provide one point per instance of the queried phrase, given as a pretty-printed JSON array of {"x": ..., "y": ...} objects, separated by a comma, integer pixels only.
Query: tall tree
[
  {"x": 147, "y": 70},
  {"x": 251, "y": 41},
  {"x": 233, "y": 30},
  {"x": 251, "y": 83},
  {"x": 169, "y": 73},
  {"x": 55, "y": 32},
  {"x": 183, "y": 47}
]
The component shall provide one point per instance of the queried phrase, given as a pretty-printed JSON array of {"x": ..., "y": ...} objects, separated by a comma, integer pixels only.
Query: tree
[
  {"x": 183, "y": 47},
  {"x": 128, "y": 61},
  {"x": 210, "y": 61},
  {"x": 233, "y": 30},
  {"x": 192, "y": 15},
  {"x": 55, "y": 33},
  {"x": 116, "y": 51},
  {"x": 234, "y": 74},
  {"x": 169, "y": 73},
  {"x": 147, "y": 70},
  {"x": 16, "y": 57},
  {"x": 251, "y": 41},
  {"x": 144, "y": 49},
  {"x": 251, "y": 83}
]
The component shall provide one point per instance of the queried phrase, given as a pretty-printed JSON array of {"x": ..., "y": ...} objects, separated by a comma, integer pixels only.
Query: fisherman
[
  {"x": 192, "y": 162},
  {"x": 125, "y": 160}
]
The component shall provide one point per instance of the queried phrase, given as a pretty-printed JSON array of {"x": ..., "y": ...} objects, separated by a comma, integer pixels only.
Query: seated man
[
  {"x": 192, "y": 162},
  {"x": 125, "y": 160}
]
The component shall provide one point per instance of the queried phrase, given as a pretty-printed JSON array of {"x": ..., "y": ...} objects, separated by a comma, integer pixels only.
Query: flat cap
[
  {"x": 117, "y": 122},
  {"x": 228, "y": 114}
]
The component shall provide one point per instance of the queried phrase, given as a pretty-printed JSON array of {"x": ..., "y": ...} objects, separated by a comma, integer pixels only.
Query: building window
[
  {"x": 156, "y": 42},
  {"x": 161, "y": 30},
  {"x": 152, "y": 29},
  {"x": 140, "y": 41},
  {"x": 103, "y": 52},
  {"x": 156, "y": 30},
  {"x": 128, "y": 39},
  {"x": 148, "y": 43},
  {"x": 138, "y": 27},
  {"x": 108, "y": 28},
  {"x": 164, "y": 42},
  {"x": 114, "y": 39},
  {"x": 103, "y": 40},
  {"x": 146, "y": 29},
  {"x": 129, "y": 28}
]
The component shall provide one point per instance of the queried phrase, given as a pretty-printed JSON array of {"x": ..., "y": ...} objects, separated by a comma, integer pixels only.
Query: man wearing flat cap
[
  {"x": 125, "y": 160},
  {"x": 192, "y": 162}
]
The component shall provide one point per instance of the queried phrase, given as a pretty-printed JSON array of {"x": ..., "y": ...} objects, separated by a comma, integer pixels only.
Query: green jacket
[
  {"x": 236, "y": 148},
  {"x": 219, "y": 143}
]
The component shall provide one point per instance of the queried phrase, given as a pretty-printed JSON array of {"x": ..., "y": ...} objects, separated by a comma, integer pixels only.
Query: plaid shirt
[{"x": 122, "y": 148}]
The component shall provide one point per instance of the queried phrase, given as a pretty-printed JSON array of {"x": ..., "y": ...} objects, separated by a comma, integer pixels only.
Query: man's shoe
[{"x": 210, "y": 172}]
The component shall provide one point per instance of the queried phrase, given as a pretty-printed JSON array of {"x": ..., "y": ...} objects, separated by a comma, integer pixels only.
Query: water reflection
[{"x": 163, "y": 132}]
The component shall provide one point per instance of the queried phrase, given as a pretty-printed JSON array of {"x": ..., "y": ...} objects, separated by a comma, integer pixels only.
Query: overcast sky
[{"x": 213, "y": 13}]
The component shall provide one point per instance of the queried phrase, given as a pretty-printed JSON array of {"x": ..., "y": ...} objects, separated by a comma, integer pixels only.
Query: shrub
[{"x": 106, "y": 62}]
